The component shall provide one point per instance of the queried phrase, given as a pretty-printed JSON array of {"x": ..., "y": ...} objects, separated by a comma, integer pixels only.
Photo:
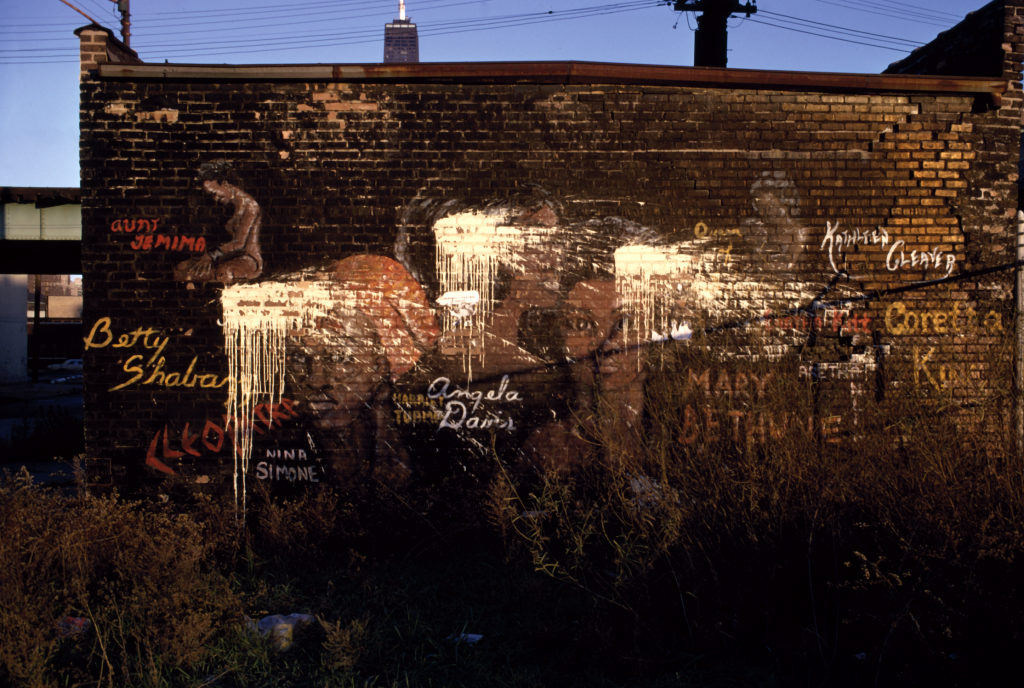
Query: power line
[
  {"x": 479, "y": 22},
  {"x": 297, "y": 6},
  {"x": 78, "y": 10},
  {"x": 423, "y": 8},
  {"x": 842, "y": 28},
  {"x": 906, "y": 16},
  {"x": 146, "y": 21},
  {"x": 458, "y": 26},
  {"x": 936, "y": 14},
  {"x": 103, "y": 10},
  {"x": 638, "y": 4},
  {"x": 325, "y": 43},
  {"x": 348, "y": 15},
  {"x": 370, "y": 33},
  {"x": 844, "y": 40},
  {"x": 486, "y": 23}
]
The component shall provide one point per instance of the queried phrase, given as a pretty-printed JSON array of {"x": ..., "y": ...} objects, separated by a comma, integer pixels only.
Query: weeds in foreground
[
  {"x": 745, "y": 534},
  {"x": 141, "y": 577},
  {"x": 861, "y": 544}
]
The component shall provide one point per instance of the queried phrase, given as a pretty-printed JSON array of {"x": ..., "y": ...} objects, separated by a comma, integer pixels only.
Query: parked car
[{"x": 74, "y": 364}]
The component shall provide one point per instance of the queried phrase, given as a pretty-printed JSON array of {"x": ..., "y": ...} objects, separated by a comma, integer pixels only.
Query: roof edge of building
[
  {"x": 562, "y": 72},
  {"x": 50, "y": 195}
]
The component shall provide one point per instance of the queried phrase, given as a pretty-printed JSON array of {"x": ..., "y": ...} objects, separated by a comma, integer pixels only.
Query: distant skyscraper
[{"x": 401, "y": 41}]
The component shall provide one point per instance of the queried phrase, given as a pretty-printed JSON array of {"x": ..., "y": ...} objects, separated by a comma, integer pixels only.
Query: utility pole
[
  {"x": 711, "y": 41},
  {"x": 126, "y": 31}
]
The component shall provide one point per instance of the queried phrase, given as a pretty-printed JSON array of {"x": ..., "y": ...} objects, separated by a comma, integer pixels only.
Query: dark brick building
[
  {"x": 294, "y": 271},
  {"x": 401, "y": 42}
]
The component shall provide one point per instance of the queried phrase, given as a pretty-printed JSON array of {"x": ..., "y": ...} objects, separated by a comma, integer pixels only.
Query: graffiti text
[
  {"x": 926, "y": 260},
  {"x": 839, "y": 242}
]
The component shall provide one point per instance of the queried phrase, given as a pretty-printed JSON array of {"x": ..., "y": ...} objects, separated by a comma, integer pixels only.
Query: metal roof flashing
[
  {"x": 567, "y": 73},
  {"x": 41, "y": 196}
]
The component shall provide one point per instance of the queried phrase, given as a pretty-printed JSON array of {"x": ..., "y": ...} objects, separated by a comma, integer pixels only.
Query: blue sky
[{"x": 39, "y": 66}]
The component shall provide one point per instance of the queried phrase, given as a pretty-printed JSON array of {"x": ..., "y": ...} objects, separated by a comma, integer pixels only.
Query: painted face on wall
[
  {"x": 774, "y": 200},
  {"x": 596, "y": 327},
  {"x": 221, "y": 191},
  {"x": 336, "y": 369}
]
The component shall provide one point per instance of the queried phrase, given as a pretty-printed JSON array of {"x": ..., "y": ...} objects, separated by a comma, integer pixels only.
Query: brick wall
[
  {"x": 297, "y": 274},
  {"x": 97, "y": 45}
]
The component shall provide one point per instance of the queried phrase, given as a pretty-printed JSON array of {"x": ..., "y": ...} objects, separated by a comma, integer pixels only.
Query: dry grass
[
  {"x": 867, "y": 549},
  {"x": 700, "y": 550},
  {"x": 142, "y": 577}
]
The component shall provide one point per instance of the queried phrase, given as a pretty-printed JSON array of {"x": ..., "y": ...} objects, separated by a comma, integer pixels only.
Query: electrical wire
[
  {"x": 232, "y": 17},
  {"x": 376, "y": 38},
  {"x": 294, "y": 6},
  {"x": 480, "y": 23},
  {"x": 371, "y": 33},
  {"x": 842, "y": 28},
  {"x": 904, "y": 16},
  {"x": 103, "y": 10},
  {"x": 844, "y": 40},
  {"x": 345, "y": 14},
  {"x": 638, "y": 4},
  {"x": 936, "y": 14}
]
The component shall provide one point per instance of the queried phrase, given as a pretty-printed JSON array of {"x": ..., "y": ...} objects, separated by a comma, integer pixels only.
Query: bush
[
  {"x": 143, "y": 578},
  {"x": 870, "y": 548}
]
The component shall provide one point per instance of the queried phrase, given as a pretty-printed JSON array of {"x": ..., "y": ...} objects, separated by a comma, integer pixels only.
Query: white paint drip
[
  {"x": 655, "y": 282},
  {"x": 472, "y": 246},
  {"x": 257, "y": 319}
]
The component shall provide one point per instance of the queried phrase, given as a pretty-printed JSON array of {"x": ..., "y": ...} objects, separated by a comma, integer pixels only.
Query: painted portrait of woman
[{"x": 336, "y": 341}]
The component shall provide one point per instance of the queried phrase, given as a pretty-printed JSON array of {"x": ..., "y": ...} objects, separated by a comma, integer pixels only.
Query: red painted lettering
[
  {"x": 265, "y": 418},
  {"x": 154, "y": 462},
  {"x": 755, "y": 428},
  {"x": 210, "y": 425},
  {"x": 712, "y": 424},
  {"x": 188, "y": 440},
  {"x": 736, "y": 415},
  {"x": 168, "y": 452},
  {"x": 689, "y": 426}
]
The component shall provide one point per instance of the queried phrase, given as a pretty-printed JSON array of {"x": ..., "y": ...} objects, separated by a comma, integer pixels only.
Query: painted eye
[{"x": 339, "y": 358}]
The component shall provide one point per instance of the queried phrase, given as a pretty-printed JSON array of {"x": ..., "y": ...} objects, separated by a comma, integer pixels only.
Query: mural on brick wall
[
  {"x": 239, "y": 258},
  {"x": 446, "y": 351},
  {"x": 444, "y": 348},
  {"x": 421, "y": 277}
]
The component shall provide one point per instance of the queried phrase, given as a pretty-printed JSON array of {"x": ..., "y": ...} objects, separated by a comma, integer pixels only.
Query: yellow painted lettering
[
  {"x": 102, "y": 326},
  {"x": 129, "y": 368},
  {"x": 894, "y": 311}
]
